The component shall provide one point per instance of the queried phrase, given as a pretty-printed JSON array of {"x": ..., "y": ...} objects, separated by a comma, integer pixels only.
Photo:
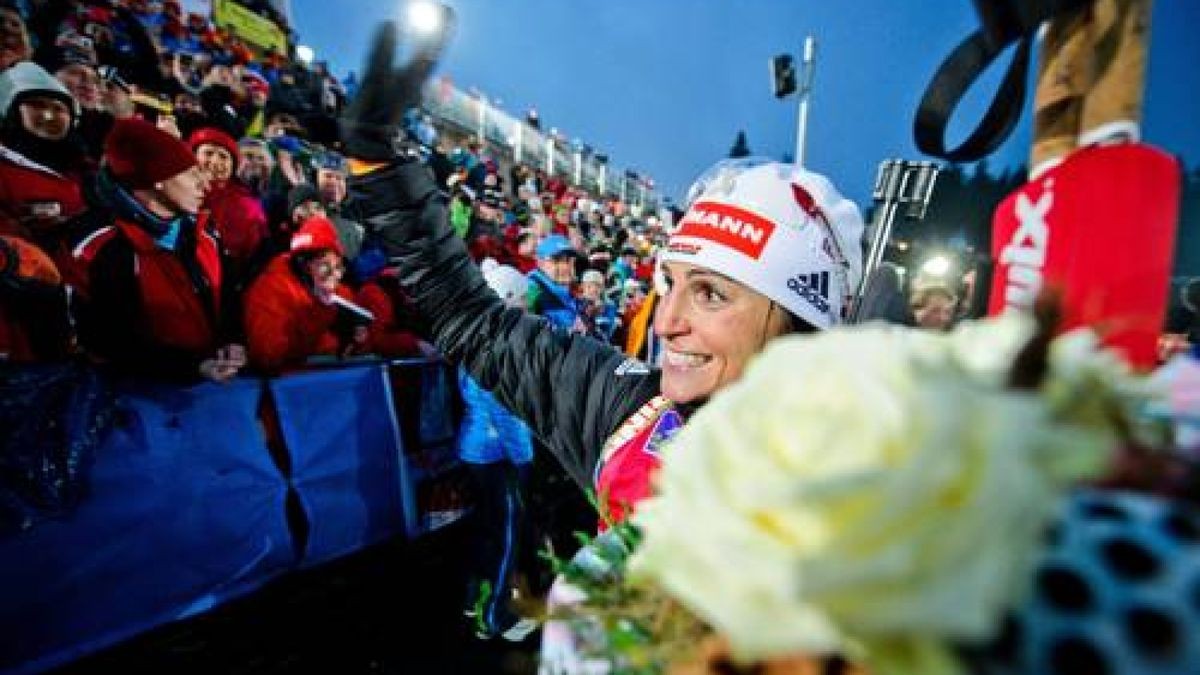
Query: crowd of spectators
[{"x": 173, "y": 204}]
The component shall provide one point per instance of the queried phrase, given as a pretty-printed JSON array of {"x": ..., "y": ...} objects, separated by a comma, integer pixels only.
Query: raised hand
[{"x": 370, "y": 126}]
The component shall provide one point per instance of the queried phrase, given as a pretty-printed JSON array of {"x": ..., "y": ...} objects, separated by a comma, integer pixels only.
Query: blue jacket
[
  {"x": 489, "y": 432},
  {"x": 552, "y": 300}
]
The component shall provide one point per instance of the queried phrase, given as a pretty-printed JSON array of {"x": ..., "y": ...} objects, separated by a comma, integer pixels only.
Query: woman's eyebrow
[{"x": 706, "y": 273}]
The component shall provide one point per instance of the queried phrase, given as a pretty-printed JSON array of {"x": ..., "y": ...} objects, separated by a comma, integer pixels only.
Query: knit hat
[
  {"x": 55, "y": 57},
  {"x": 593, "y": 277},
  {"x": 316, "y": 234},
  {"x": 255, "y": 82},
  {"x": 28, "y": 78},
  {"x": 251, "y": 142},
  {"x": 506, "y": 281},
  {"x": 138, "y": 154},
  {"x": 779, "y": 229},
  {"x": 212, "y": 136},
  {"x": 553, "y": 246}
]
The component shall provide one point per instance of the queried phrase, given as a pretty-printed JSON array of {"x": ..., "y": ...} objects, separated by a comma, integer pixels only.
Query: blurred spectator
[
  {"x": 497, "y": 448},
  {"x": 254, "y": 112},
  {"x": 525, "y": 257},
  {"x": 641, "y": 343},
  {"x": 14, "y": 39},
  {"x": 331, "y": 183},
  {"x": 285, "y": 135},
  {"x": 933, "y": 307},
  {"x": 626, "y": 266},
  {"x": 79, "y": 75},
  {"x": 236, "y": 214},
  {"x": 550, "y": 284},
  {"x": 219, "y": 95},
  {"x": 189, "y": 116},
  {"x": 462, "y": 199},
  {"x": 599, "y": 315},
  {"x": 303, "y": 203},
  {"x": 290, "y": 310},
  {"x": 156, "y": 302},
  {"x": 256, "y": 165},
  {"x": 33, "y": 305},
  {"x": 332, "y": 95},
  {"x": 42, "y": 163},
  {"x": 392, "y": 332}
]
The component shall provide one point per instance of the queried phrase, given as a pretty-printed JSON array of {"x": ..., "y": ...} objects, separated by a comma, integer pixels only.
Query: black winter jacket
[{"x": 573, "y": 391}]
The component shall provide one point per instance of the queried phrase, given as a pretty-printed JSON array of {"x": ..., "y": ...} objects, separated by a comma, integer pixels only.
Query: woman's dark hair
[{"x": 798, "y": 325}]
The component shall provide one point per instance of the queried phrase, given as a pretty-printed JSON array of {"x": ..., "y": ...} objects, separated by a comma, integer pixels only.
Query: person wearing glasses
[{"x": 297, "y": 307}]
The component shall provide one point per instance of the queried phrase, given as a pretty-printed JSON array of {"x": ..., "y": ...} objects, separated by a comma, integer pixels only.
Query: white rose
[{"x": 868, "y": 491}]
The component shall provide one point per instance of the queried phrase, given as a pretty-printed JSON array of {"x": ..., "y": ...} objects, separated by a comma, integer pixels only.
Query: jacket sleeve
[
  {"x": 280, "y": 333},
  {"x": 385, "y": 338},
  {"x": 571, "y": 390}
]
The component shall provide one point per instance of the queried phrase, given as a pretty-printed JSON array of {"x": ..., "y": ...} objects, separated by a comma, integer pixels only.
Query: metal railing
[{"x": 521, "y": 143}]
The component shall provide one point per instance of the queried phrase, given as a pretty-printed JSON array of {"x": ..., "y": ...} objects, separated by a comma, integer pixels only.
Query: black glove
[{"x": 370, "y": 127}]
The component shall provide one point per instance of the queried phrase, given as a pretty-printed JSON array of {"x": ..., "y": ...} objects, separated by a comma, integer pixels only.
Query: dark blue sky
[{"x": 664, "y": 86}]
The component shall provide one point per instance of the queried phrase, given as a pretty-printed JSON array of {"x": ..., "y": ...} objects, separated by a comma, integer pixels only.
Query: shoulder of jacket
[
  {"x": 90, "y": 246},
  {"x": 637, "y": 423}
]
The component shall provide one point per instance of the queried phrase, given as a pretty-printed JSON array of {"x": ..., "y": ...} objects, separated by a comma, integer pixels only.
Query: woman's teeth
[{"x": 685, "y": 359}]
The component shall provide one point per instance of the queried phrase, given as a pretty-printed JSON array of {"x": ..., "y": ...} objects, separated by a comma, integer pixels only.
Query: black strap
[{"x": 1003, "y": 23}]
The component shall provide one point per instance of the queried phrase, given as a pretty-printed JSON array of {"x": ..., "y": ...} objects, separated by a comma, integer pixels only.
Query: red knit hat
[
  {"x": 316, "y": 234},
  {"x": 215, "y": 137},
  {"x": 138, "y": 154}
]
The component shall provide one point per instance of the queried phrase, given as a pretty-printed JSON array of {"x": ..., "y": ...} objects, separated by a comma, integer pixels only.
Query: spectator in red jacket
[
  {"x": 41, "y": 162},
  {"x": 290, "y": 311},
  {"x": 236, "y": 213},
  {"x": 391, "y": 333},
  {"x": 33, "y": 316},
  {"x": 156, "y": 303}
]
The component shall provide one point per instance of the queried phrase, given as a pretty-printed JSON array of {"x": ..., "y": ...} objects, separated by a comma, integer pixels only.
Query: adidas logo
[
  {"x": 631, "y": 367},
  {"x": 814, "y": 288}
]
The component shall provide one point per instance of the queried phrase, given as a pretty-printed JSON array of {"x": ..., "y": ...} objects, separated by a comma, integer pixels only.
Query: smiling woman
[{"x": 764, "y": 249}]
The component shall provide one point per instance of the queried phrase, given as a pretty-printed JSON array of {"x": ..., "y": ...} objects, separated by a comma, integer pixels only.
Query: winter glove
[{"x": 371, "y": 126}]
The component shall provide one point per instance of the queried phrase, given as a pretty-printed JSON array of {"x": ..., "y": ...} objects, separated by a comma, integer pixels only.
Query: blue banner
[
  {"x": 185, "y": 509},
  {"x": 341, "y": 433}
]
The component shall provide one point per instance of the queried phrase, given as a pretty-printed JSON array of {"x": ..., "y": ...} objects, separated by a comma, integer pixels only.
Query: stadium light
[
  {"x": 936, "y": 266},
  {"x": 425, "y": 17},
  {"x": 305, "y": 54}
]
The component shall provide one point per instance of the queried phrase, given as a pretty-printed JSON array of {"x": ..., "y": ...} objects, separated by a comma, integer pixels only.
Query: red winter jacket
[
  {"x": 239, "y": 219},
  {"x": 386, "y": 337},
  {"x": 33, "y": 307},
  {"x": 150, "y": 310},
  {"x": 38, "y": 200},
  {"x": 285, "y": 323}
]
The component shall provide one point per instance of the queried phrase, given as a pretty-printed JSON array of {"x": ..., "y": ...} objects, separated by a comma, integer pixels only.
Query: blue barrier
[
  {"x": 186, "y": 508},
  {"x": 177, "y": 519},
  {"x": 345, "y": 451}
]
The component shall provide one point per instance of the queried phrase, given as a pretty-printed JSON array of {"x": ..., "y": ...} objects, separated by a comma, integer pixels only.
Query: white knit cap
[
  {"x": 780, "y": 230},
  {"x": 506, "y": 281}
]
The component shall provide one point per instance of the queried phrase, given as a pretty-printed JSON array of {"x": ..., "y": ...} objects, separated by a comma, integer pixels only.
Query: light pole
[
  {"x": 483, "y": 104},
  {"x": 903, "y": 189},
  {"x": 808, "y": 66},
  {"x": 518, "y": 140}
]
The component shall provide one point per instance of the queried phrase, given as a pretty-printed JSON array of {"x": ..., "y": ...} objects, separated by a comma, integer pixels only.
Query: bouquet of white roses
[{"x": 874, "y": 493}]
